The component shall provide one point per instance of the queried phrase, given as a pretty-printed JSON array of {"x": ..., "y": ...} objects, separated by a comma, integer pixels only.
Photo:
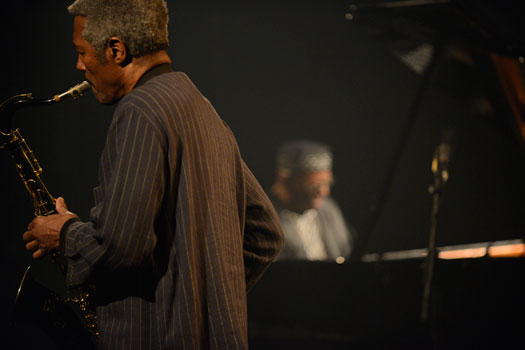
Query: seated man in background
[{"x": 313, "y": 224}]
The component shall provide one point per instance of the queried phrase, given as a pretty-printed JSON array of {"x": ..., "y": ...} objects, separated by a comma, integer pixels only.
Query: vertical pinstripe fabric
[{"x": 180, "y": 228}]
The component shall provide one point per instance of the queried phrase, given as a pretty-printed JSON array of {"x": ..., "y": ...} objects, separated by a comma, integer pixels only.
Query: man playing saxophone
[{"x": 180, "y": 228}]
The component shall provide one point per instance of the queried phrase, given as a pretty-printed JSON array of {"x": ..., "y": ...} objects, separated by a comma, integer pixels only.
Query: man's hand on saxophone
[{"x": 43, "y": 233}]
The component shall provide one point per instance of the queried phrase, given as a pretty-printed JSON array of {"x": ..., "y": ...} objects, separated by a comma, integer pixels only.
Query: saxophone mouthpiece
[{"x": 75, "y": 92}]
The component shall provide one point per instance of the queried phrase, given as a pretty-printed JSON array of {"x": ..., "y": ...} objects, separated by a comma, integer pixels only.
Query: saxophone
[{"x": 67, "y": 316}]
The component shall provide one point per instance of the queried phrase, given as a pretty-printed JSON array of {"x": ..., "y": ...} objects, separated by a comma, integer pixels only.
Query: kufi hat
[{"x": 301, "y": 156}]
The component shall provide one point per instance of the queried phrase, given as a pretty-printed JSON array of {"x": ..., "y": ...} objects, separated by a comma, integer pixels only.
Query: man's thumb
[{"x": 61, "y": 205}]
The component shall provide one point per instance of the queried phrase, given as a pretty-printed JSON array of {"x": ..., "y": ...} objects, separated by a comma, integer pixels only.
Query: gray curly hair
[{"x": 141, "y": 24}]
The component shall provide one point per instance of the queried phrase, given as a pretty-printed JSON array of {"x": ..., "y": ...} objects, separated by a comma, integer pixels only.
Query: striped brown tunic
[{"x": 180, "y": 228}]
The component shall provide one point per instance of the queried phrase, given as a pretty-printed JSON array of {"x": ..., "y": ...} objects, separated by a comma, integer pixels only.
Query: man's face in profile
[
  {"x": 309, "y": 190},
  {"x": 103, "y": 76}
]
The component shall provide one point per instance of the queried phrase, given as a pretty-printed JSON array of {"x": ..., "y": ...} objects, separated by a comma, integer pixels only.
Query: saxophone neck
[{"x": 11, "y": 105}]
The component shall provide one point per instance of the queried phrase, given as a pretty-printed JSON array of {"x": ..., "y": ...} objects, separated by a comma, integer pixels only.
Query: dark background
[{"x": 276, "y": 70}]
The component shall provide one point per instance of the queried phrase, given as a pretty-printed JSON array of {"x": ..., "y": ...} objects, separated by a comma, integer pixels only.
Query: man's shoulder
[
  {"x": 174, "y": 88},
  {"x": 329, "y": 204},
  {"x": 330, "y": 210},
  {"x": 159, "y": 91},
  {"x": 169, "y": 78},
  {"x": 167, "y": 83}
]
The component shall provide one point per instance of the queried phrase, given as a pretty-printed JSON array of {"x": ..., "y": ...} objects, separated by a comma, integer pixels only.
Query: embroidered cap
[{"x": 302, "y": 156}]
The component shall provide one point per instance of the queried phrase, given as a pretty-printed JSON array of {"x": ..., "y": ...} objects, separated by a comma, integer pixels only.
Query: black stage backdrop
[{"x": 277, "y": 70}]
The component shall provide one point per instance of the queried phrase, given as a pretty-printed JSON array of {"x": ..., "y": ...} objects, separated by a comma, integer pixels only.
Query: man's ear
[{"x": 116, "y": 51}]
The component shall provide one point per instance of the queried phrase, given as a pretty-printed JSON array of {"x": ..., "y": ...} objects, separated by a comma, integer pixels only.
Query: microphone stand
[
  {"x": 439, "y": 168},
  {"x": 431, "y": 256}
]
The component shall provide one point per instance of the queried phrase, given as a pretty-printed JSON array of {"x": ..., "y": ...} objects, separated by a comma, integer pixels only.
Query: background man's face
[{"x": 309, "y": 190}]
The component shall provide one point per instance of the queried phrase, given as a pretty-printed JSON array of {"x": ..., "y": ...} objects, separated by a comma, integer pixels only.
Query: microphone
[{"x": 443, "y": 156}]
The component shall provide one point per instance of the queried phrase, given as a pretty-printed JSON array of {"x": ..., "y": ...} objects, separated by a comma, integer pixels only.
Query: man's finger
[
  {"x": 27, "y": 236},
  {"x": 33, "y": 245},
  {"x": 38, "y": 254}
]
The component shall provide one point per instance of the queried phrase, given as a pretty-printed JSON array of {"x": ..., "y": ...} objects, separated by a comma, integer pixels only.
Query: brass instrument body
[
  {"x": 26, "y": 163},
  {"x": 29, "y": 171},
  {"x": 57, "y": 313}
]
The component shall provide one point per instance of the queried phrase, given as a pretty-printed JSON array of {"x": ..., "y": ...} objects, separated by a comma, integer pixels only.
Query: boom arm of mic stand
[{"x": 357, "y": 9}]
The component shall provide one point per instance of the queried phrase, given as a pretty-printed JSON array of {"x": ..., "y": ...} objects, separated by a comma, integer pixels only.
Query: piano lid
[{"x": 494, "y": 25}]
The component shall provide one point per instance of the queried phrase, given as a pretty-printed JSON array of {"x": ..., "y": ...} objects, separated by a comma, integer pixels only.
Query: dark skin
[
  {"x": 305, "y": 191},
  {"x": 111, "y": 80},
  {"x": 43, "y": 233},
  {"x": 117, "y": 76}
]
